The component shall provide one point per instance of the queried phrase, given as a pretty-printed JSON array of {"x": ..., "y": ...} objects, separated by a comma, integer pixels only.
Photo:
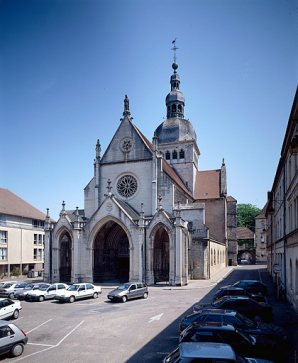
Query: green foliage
[
  {"x": 15, "y": 271},
  {"x": 25, "y": 272},
  {"x": 246, "y": 214}
]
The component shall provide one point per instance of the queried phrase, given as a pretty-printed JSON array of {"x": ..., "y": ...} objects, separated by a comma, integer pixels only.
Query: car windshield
[
  {"x": 73, "y": 287},
  {"x": 218, "y": 302},
  {"x": 28, "y": 287},
  {"x": 6, "y": 286},
  {"x": 123, "y": 287},
  {"x": 43, "y": 288},
  {"x": 245, "y": 320},
  {"x": 246, "y": 337}
]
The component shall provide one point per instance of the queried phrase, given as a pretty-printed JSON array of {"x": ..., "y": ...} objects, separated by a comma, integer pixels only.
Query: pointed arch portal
[
  {"x": 111, "y": 254},
  {"x": 65, "y": 258},
  {"x": 161, "y": 263}
]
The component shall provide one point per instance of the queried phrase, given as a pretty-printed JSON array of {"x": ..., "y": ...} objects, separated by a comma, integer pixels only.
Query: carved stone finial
[
  {"x": 63, "y": 205},
  {"x": 142, "y": 211},
  {"x": 160, "y": 203}
]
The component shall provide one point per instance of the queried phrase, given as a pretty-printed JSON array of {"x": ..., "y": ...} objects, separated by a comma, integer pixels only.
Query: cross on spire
[{"x": 174, "y": 49}]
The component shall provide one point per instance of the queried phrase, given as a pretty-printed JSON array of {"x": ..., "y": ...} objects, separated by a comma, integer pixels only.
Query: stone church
[{"x": 149, "y": 214}]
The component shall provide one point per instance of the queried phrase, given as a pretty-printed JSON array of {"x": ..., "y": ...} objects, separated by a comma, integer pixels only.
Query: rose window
[{"x": 127, "y": 186}]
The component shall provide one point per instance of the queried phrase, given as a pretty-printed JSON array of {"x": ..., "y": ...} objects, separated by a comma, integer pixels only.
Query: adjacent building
[
  {"x": 22, "y": 234},
  {"x": 260, "y": 236},
  {"x": 282, "y": 214},
  {"x": 149, "y": 213}
]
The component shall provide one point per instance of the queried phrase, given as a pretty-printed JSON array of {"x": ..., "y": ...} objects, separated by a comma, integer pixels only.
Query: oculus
[{"x": 126, "y": 144}]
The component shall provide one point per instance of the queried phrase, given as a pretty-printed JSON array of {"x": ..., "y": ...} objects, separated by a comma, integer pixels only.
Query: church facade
[{"x": 149, "y": 214}]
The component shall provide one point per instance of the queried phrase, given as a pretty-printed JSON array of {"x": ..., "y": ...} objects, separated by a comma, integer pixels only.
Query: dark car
[
  {"x": 241, "y": 322},
  {"x": 196, "y": 352},
  {"x": 252, "y": 286},
  {"x": 12, "y": 339},
  {"x": 237, "y": 291},
  {"x": 243, "y": 343},
  {"x": 128, "y": 291},
  {"x": 242, "y": 304}
]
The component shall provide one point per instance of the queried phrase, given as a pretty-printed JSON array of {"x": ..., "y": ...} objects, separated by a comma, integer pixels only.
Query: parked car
[
  {"x": 7, "y": 282},
  {"x": 238, "y": 320},
  {"x": 242, "y": 343},
  {"x": 9, "y": 308},
  {"x": 252, "y": 286},
  {"x": 237, "y": 291},
  {"x": 242, "y": 304},
  {"x": 21, "y": 293},
  {"x": 8, "y": 289},
  {"x": 207, "y": 352},
  {"x": 78, "y": 291},
  {"x": 46, "y": 292},
  {"x": 129, "y": 291},
  {"x": 12, "y": 339}
]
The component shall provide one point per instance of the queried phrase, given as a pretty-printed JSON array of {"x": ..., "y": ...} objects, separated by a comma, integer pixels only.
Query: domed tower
[{"x": 176, "y": 136}]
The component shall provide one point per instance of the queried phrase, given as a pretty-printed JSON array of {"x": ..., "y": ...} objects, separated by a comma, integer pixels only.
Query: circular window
[
  {"x": 126, "y": 144},
  {"x": 127, "y": 185}
]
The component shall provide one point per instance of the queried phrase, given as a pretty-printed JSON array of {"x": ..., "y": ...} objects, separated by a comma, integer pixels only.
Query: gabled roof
[
  {"x": 13, "y": 205},
  {"x": 244, "y": 233},
  {"x": 207, "y": 184},
  {"x": 128, "y": 209},
  {"x": 167, "y": 169},
  {"x": 263, "y": 212}
]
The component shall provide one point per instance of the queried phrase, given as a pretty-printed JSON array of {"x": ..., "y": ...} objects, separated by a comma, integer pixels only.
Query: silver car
[
  {"x": 12, "y": 339},
  {"x": 128, "y": 291}
]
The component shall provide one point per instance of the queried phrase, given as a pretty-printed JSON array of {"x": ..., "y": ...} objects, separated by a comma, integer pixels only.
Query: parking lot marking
[
  {"x": 51, "y": 346},
  {"x": 44, "y": 345},
  {"x": 156, "y": 317},
  {"x": 38, "y": 326}
]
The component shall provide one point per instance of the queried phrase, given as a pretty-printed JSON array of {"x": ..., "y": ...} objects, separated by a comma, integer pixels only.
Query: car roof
[
  {"x": 217, "y": 311},
  {"x": 207, "y": 350},
  {"x": 213, "y": 326},
  {"x": 232, "y": 288},
  {"x": 228, "y": 297}
]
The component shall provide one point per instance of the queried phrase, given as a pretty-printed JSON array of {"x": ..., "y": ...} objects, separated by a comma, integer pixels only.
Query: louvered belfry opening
[{"x": 111, "y": 254}]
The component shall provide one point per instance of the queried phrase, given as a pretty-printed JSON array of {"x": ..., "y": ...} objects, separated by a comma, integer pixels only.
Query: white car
[
  {"x": 46, "y": 292},
  {"x": 9, "y": 308},
  {"x": 9, "y": 288},
  {"x": 78, "y": 291}
]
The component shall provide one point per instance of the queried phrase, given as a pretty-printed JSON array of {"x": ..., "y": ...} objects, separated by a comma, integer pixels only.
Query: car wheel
[
  {"x": 124, "y": 299},
  {"x": 15, "y": 314},
  {"x": 71, "y": 299},
  {"x": 10, "y": 296},
  {"x": 145, "y": 295},
  {"x": 17, "y": 350},
  {"x": 95, "y": 295},
  {"x": 41, "y": 298}
]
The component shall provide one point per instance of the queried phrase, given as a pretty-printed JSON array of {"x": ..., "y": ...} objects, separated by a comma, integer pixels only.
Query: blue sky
[{"x": 67, "y": 65}]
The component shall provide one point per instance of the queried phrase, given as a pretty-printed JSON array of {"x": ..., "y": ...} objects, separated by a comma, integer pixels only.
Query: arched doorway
[
  {"x": 111, "y": 254},
  {"x": 161, "y": 263},
  {"x": 65, "y": 258}
]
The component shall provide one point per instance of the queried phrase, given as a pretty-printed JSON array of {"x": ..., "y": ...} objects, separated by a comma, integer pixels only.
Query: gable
[{"x": 127, "y": 145}]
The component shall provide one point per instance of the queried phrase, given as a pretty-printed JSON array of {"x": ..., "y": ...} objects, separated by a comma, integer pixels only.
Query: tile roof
[
  {"x": 207, "y": 184},
  {"x": 244, "y": 233},
  {"x": 13, "y": 205}
]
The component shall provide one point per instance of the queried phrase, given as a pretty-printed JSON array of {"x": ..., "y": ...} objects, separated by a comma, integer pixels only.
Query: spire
[
  {"x": 175, "y": 101},
  {"x": 98, "y": 150}
]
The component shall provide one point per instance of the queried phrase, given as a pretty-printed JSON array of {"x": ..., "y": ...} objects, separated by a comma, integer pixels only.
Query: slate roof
[
  {"x": 166, "y": 167},
  {"x": 72, "y": 215},
  {"x": 13, "y": 205},
  {"x": 244, "y": 233},
  {"x": 129, "y": 210},
  {"x": 207, "y": 184},
  {"x": 263, "y": 212}
]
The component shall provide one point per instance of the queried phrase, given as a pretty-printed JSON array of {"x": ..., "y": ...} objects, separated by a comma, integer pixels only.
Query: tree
[{"x": 246, "y": 214}]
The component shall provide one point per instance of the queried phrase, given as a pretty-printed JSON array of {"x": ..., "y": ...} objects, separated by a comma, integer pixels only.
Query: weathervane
[{"x": 174, "y": 49}]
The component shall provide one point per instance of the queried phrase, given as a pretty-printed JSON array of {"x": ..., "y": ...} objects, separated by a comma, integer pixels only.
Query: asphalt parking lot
[{"x": 143, "y": 330}]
